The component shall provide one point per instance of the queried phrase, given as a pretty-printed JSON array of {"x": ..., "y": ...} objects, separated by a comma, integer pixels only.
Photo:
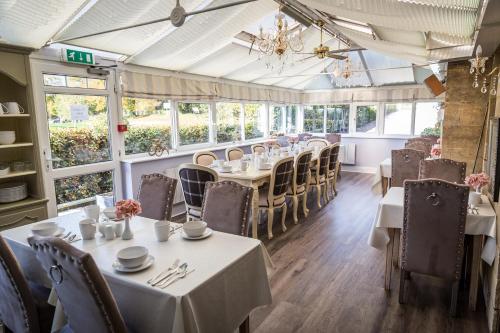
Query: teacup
[
  {"x": 109, "y": 232},
  {"x": 162, "y": 230},
  {"x": 87, "y": 228},
  {"x": 13, "y": 108},
  {"x": 194, "y": 228},
  {"x": 92, "y": 212},
  {"x": 244, "y": 165},
  {"x": 44, "y": 229},
  {"x": 219, "y": 163}
]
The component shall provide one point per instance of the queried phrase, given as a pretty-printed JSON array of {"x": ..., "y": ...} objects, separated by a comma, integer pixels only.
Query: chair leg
[
  {"x": 325, "y": 193},
  {"x": 327, "y": 190},
  {"x": 283, "y": 217},
  {"x": 304, "y": 204},
  {"x": 245, "y": 326},
  {"x": 295, "y": 207},
  {"x": 402, "y": 280},
  {"x": 454, "y": 298},
  {"x": 318, "y": 195},
  {"x": 270, "y": 218}
]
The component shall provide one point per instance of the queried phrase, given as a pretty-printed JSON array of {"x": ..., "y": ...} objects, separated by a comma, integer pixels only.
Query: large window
[
  {"x": 255, "y": 115},
  {"x": 228, "y": 122},
  {"x": 366, "y": 118},
  {"x": 428, "y": 119},
  {"x": 398, "y": 118},
  {"x": 194, "y": 120},
  {"x": 337, "y": 118},
  {"x": 291, "y": 118},
  {"x": 314, "y": 118},
  {"x": 148, "y": 119},
  {"x": 276, "y": 124}
]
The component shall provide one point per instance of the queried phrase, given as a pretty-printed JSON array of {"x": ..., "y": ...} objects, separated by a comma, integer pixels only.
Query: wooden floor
[{"x": 328, "y": 279}]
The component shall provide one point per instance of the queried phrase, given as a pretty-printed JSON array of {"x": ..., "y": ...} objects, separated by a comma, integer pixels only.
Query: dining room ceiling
[{"x": 396, "y": 39}]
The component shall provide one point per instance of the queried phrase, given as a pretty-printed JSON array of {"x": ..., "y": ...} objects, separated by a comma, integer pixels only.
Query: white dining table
[
  {"x": 381, "y": 177},
  {"x": 384, "y": 235},
  {"x": 229, "y": 278}
]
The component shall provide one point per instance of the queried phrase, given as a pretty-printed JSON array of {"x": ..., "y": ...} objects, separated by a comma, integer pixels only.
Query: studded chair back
[
  {"x": 333, "y": 137},
  {"x": 405, "y": 165},
  {"x": 80, "y": 286},
  {"x": 423, "y": 145},
  {"x": 434, "y": 227},
  {"x": 234, "y": 153},
  {"x": 227, "y": 207},
  {"x": 204, "y": 158},
  {"x": 193, "y": 179},
  {"x": 301, "y": 170},
  {"x": 445, "y": 169},
  {"x": 258, "y": 148},
  {"x": 334, "y": 157},
  {"x": 156, "y": 195},
  {"x": 317, "y": 142},
  {"x": 17, "y": 306}
]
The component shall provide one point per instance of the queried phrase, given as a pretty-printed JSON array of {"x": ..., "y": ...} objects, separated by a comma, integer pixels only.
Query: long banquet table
[
  {"x": 228, "y": 281},
  {"x": 389, "y": 221}
]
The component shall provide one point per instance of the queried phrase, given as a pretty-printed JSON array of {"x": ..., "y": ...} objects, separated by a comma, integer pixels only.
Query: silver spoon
[
  {"x": 181, "y": 269},
  {"x": 171, "y": 268},
  {"x": 178, "y": 277}
]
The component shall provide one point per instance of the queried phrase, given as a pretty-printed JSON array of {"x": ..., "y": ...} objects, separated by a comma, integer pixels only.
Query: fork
[
  {"x": 178, "y": 277},
  {"x": 180, "y": 270},
  {"x": 171, "y": 268}
]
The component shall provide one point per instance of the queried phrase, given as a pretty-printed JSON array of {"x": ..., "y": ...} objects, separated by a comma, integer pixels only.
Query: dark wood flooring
[{"x": 328, "y": 279}]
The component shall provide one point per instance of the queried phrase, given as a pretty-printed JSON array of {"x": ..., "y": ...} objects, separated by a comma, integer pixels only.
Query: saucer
[
  {"x": 205, "y": 234},
  {"x": 57, "y": 233},
  {"x": 146, "y": 264},
  {"x": 225, "y": 170}
]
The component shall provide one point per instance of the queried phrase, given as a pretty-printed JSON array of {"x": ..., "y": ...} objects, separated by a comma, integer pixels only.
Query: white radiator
[
  {"x": 174, "y": 173},
  {"x": 347, "y": 153}
]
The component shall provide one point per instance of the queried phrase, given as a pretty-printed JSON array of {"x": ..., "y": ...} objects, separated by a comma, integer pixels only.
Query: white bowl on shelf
[
  {"x": 7, "y": 137},
  {"x": 4, "y": 169}
]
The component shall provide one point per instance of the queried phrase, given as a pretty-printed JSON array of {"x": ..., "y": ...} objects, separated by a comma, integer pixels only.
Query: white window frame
[
  {"x": 412, "y": 120},
  {"x": 211, "y": 124},
  {"x": 324, "y": 116},
  {"x": 352, "y": 120},
  {"x": 242, "y": 124},
  {"x": 285, "y": 117}
]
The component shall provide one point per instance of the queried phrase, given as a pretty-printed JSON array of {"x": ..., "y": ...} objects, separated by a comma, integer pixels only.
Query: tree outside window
[
  {"x": 313, "y": 118},
  {"x": 193, "y": 123},
  {"x": 337, "y": 118},
  {"x": 228, "y": 122}
]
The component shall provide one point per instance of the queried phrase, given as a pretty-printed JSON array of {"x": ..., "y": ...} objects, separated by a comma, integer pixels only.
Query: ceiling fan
[
  {"x": 322, "y": 51},
  {"x": 177, "y": 18}
]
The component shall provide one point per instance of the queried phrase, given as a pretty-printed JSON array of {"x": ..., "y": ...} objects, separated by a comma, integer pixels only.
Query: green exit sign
[{"x": 78, "y": 57}]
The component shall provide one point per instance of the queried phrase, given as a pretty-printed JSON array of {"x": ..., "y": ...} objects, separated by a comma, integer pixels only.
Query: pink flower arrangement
[
  {"x": 436, "y": 151},
  {"x": 127, "y": 208},
  {"x": 477, "y": 180}
]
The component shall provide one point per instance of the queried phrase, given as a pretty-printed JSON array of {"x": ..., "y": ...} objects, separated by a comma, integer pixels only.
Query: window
[
  {"x": 78, "y": 129},
  {"x": 55, "y": 80},
  {"x": 276, "y": 125},
  {"x": 398, "y": 118},
  {"x": 228, "y": 122},
  {"x": 291, "y": 118},
  {"x": 314, "y": 118},
  {"x": 148, "y": 119},
  {"x": 337, "y": 118},
  {"x": 255, "y": 115},
  {"x": 428, "y": 119},
  {"x": 366, "y": 119},
  {"x": 194, "y": 120}
]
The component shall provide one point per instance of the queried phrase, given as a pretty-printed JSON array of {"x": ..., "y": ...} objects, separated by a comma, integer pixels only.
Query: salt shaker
[{"x": 109, "y": 232}]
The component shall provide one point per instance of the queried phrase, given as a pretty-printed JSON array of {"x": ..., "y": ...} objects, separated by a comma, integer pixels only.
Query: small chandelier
[
  {"x": 280, "y": 41},
  {"x": 478, "y": 68}
]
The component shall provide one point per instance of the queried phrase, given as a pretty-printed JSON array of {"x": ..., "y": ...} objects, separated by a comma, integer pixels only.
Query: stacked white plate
[{"x": 10, "y": 192}]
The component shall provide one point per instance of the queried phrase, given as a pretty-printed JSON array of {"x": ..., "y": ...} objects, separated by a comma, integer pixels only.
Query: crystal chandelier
[
  {"x": 279, "y": 42},
  {"x": 478, "y": 68},
  {"x": 345, "y": 70}
]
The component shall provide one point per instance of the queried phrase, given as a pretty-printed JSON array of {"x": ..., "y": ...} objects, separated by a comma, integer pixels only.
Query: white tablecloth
[
  {"x": 390, "y": 215},
  {"x": 229, "y": 280},
  {"x": 384, "y": 170}
]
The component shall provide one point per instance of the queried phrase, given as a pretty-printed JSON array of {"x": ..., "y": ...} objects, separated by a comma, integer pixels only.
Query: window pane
[
  {"x": 76, "y": 82},
  {"x": 366, "y": 118},
  {"x": 337, "y": 118},
  {"x": 276, "y": 119},
  {"x": 96, "y": 83},
  {"x": 397, "y": 119},
  {"x": 56, "y": 80},
  {"x": 148, "y": 119},
  {"x": 291, "y": 118},
  {"x": 78, "y": 129},
  {"x": 228, "y": 122},
  {"x": 428, "y": 119},
  {"x": 193, "y": 123},
  {"x": 78, "y": 191},
  {"x": 254, "y": 120},
  {"x": 313, "y": 118}
]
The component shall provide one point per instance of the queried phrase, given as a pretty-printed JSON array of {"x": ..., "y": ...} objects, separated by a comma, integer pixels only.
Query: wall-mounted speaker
[{"x": 434, "y": 85}]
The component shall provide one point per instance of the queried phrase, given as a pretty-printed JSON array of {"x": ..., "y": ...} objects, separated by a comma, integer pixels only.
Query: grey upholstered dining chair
[
  {"x": 204, "y": 158},
  {"x": 333, "y": 170},
  {"x": 82, "y": 290},
  {"x": 442, "y": 168},
  {"x": 405, "y": 165},
  {"x": 319, "y": 174},
  {"x": 300, "y": 183},
  {"x": 193, "y": 179},
  {"x": 333, "y": 137},
  {"x": 258, "y": 148},
  {"x": 433, "y": 232},
  {"x": 156, "y": 195},
  {"x": 274, "y": 196},
  {"x": 21, "y": 309},
  {"x": 227, "y": 207},
  {"x": 423, "y": 145},
  {"x": 234, "y": 153}
]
